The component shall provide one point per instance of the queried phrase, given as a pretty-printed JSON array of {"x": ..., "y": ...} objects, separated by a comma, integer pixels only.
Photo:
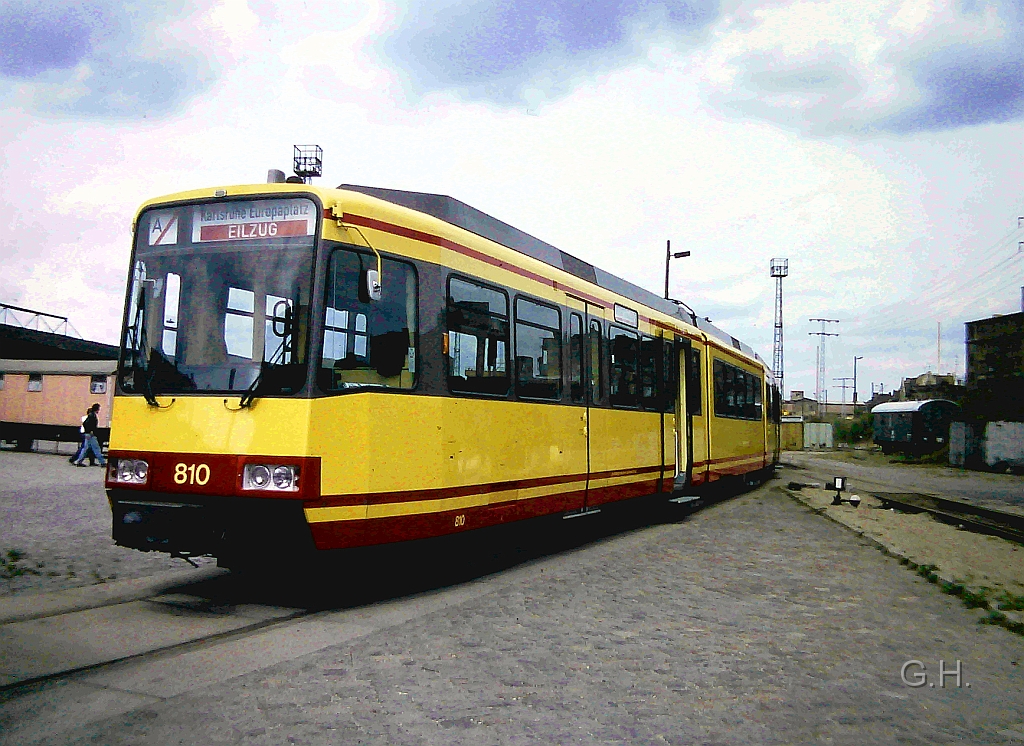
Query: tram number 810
[
  {"x": 460, "y": 520},
  {"x": 191, "y": 473}
]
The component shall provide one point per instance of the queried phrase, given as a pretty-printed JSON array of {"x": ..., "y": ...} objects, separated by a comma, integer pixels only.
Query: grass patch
[
  {"x": 13, "y": 565},
  {"x": 979, "y": 599},
  {"x": 999, "y": 619},
  {"x": 953, "y": 589},
  {"x": 928, "y": 573},
  {"x": 1009, "y": 602},
  {"x": 993, "y": 617},
  {"x": 975, "y": 599}
]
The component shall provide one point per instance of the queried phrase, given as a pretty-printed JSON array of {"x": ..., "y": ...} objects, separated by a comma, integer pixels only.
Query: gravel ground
[{"x": 58, "y": 516}]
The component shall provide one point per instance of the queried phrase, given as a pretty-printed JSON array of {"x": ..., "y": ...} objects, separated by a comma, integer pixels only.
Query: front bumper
[{"x": 194, "y": 525}]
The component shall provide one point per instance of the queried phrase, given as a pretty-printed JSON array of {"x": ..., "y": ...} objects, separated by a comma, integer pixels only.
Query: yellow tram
[{"x": 306, "y": 368}]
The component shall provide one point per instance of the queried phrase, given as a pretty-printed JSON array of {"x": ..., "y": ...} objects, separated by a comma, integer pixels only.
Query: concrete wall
[
  {"x": 62, "y": 401},
  {"x": 818, "y": 435},
  {"x": 966, "y": 446},
  {"x": 1004, "y": 443}
]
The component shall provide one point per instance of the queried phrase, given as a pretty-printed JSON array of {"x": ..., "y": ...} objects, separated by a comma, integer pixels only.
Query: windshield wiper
[
  {"x": 265, "y": 365},
  {"x": 147, "y": 385},
  {"x": 250, "y": 393}
]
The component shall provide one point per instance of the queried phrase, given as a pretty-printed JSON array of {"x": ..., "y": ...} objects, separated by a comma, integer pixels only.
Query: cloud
[
  {"x": 526, "y": 51},
  {"x": 963, "y": 86},
  {"x": 35, "y": 39},
  {"x": 102, "y": 59},
  {"x": 861, "y": 67}
]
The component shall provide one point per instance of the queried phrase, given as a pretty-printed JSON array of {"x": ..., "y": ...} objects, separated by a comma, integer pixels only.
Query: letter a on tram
[{"x": 163, "y": 229}]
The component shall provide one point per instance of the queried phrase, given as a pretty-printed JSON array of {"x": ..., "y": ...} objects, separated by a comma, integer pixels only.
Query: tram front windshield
[{"x": 219, "y": 298}]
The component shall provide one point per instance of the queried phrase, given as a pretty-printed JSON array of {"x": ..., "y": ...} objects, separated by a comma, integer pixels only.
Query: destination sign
[{"x": 248, "y": 221}]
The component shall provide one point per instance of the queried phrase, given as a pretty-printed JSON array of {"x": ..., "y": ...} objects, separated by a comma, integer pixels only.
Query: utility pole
[
  {"x": 820, "y": 374},
  {"x": 938, "y": 350},
  {"x": 844, "y": 385},
  {"x": 779, "y": 269},
  {"x": 669, "y": 256},
  {"x": 855, "y": 359}
]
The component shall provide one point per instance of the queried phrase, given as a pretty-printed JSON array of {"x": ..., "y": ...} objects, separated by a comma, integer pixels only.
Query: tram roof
[{"x": 476, "y": 221}]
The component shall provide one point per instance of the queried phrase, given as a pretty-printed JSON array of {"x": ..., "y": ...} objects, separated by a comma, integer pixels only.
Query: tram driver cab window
[{"x": 368, "y": 343}]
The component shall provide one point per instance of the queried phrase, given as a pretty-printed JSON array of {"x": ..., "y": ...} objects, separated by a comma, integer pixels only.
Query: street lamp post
[
  {"x": 855, "y": 359},
  {"x": 669, "y": 256}
]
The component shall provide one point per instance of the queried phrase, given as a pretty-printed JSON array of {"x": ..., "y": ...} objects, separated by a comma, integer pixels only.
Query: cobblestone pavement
[
  {"x": 754, "y": 621},
  {"x": 58, "y": 515}
]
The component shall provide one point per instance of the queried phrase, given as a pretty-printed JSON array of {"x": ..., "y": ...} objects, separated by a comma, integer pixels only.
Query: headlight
[
  {"x": 271, "y": 477},
  {"x": 128, "y": 470},
  {"x": 259, "y": 476},
  {"x": 283, "y": 477}
]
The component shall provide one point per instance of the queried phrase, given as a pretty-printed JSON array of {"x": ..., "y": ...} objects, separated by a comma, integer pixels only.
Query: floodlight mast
[
  {"x": 779, "y": 269},
  {"x": 308, "y": 162}
]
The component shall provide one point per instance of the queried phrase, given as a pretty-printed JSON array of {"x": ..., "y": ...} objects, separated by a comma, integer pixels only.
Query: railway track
[{"x": 955, "y": 512}]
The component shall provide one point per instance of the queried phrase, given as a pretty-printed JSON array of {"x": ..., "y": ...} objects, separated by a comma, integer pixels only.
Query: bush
[{"x": 857, "y": 430}]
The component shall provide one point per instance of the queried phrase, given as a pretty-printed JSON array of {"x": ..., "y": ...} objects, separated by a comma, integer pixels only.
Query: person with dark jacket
[
  {"x": 80, "y": 448},
  {"x": 92, "y": 443}
]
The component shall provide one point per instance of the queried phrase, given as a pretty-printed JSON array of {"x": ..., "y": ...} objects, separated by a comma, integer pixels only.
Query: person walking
[
  {"x": 80, "y": 449},
  {"x": 92, "y": 443}
]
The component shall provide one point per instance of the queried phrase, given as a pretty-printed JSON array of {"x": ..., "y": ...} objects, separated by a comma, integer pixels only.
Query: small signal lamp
[{"x": 839, "y": 484}]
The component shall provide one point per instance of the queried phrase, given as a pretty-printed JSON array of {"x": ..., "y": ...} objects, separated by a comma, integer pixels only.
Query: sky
[{"x": 878, "y": 145}]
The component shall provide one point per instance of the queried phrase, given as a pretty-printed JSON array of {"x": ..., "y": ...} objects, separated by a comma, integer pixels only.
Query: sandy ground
[
  {"x": 978, "y": 562},
  {"x": 872, "y": 471}
]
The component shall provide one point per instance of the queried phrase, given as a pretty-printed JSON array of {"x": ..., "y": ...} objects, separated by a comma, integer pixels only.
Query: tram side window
[
  {"x": 366, "y": 342},
  {"x": 538, "y": 350},
  {"x": 650, "y": 351},
  {"x": 594, "y": 361},
  {"x": 694, "y": 389},
  {"x": 622, "y": 386},
  {"x": 669, "y": 372},
  {"x": 478, "y": 338},
  {"x": 737, "y": 392},
  {"x": 576, "y": 357}
]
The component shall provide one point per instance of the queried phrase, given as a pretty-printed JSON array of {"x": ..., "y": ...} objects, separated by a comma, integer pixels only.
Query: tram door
[
  {"x": 586, "y": 349},
  {"x": 683, "y": 411}
]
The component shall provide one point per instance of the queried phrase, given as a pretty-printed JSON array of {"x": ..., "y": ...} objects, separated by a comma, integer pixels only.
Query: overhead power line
[{"x": 954, "y": 293}]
